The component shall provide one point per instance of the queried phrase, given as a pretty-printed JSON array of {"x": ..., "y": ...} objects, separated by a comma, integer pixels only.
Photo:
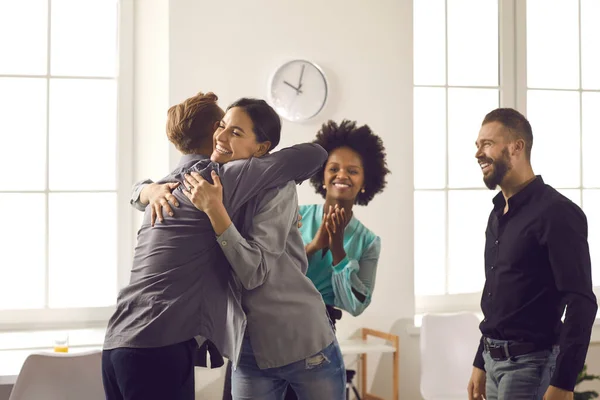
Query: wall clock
[{"x": 298, "y": 90}]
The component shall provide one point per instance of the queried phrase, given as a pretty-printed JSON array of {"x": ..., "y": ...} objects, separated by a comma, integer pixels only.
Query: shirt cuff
[
  {"x": 135, "y": 196},
  {"x": 564, "y": 378},
  {"x": 479, "y": 362},
  {"x": 228, "y": 239},
  {"x": 339, "y": 267}
]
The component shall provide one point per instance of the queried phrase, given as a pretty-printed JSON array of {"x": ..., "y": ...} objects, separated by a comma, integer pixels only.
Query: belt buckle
[{"x": 498, "y": 353}]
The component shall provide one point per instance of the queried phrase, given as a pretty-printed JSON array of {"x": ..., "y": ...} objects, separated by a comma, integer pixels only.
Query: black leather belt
[{"x": 501, "y": 353}]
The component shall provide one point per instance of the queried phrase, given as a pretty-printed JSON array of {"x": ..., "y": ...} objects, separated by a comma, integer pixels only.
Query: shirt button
[
  {"x": 224, "y": 243},
  {"x": 492, "y": 267},
  {"x": 496, "y": 242},
  {"x": 489, "y": 293},
  {"x": 485, "y": 320}
]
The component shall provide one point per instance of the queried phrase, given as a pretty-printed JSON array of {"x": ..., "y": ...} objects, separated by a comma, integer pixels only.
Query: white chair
[
  {"x": 60, "y": 376},
  {"x": 448, "y": 346}
]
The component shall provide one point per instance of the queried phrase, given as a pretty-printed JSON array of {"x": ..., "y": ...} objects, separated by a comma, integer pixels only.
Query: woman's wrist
[
  {"x": 337, "y": 253},
  {"x": 310, "y": 249},
  {"x": 219, "y": 218}
]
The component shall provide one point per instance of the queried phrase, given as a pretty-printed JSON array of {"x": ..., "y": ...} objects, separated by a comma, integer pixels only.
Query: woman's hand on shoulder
[{"x": 160, "y": 198}]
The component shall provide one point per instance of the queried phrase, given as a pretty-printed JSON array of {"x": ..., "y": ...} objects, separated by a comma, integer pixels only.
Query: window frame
[
  {"x": 57, "y": 318},
  {"x": 513, "y": 91}
]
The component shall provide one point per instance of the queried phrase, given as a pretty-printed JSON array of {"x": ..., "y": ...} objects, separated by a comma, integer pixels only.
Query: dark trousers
[{"x": 150, "y": 374}]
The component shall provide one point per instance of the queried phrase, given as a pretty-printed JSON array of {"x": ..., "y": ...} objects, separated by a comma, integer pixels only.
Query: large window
[
  {"x": 471, "y": 56},
  {"x": 63, "y": 163}
]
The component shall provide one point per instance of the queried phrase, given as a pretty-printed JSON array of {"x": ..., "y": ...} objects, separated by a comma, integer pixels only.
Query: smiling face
[
  {"x": 493, "y": 154},
  {"x": 235, "y": 139},
  {"x": 344, "y": 174}
]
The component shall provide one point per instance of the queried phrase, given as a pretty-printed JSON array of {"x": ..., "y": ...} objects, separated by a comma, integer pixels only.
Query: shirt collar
[
  {"x": 187, "y": 159},
  {"x": 522, "y": 196}
]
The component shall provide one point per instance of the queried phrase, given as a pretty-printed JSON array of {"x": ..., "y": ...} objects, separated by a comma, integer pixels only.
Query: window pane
[
  {"x": 23, "y": 133},
  {"x": 591, "y": 139},
  {"x": 84, "y": 37},
  {"x": 22, "y": 245},
  {"x": 552, "y": 44},
  {"x": 472, "y": 42},
  {"x": 591, "y": 207},
  {"x": 429, "y": 42},
  {"x": 430, "y": 138},
  {"x": 554, "y": 117},
  {"x": 83, "y": 133},
  {"x": 466, "y": 110},
  {"x": 590, "y": 43},
  {"x": 468, "y": 213},
  {"x": 24, "y": 37},
  {"x": 430, "y": 243},
  {"x": 83, "y": 249},
  {"x": 572, "y": 194}
]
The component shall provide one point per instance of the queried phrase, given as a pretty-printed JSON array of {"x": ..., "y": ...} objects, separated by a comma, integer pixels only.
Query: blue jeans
[
  {"x": 319, "y": 377},
  {"x": 525, "y": 377}
]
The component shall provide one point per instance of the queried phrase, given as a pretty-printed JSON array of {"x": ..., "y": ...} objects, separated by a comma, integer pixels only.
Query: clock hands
[
  {"x": 297, "y": 89},
  {"x": 301, "y": 75}
]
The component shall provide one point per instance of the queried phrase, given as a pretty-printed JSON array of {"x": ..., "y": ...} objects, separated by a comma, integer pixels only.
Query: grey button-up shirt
[
  {"x": 287, "y": 320},
  {"x": 181, "y": 284}
]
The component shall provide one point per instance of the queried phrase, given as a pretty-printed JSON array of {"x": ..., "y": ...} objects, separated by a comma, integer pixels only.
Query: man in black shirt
[{"x": 537, "y": 263}]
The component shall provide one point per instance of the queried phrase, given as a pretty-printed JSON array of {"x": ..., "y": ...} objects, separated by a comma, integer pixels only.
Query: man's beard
[{"x": 500, "y": 168}]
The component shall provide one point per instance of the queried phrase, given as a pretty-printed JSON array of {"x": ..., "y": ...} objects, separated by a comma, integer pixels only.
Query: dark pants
[{"x": 155, "y": 373}]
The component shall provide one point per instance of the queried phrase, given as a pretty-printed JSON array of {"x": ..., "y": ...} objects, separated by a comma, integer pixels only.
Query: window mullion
[
  {"x": 507, "y": 68},
  {"x": 47, "y": 177},
  {"x": 520, "y": 49}
]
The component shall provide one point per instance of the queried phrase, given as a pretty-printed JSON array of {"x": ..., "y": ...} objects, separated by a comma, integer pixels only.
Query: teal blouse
[{"x": 355, "y": 273}]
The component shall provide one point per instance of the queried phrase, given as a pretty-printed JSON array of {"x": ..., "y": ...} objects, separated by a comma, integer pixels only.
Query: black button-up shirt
[{"x": 537, "y": 262}]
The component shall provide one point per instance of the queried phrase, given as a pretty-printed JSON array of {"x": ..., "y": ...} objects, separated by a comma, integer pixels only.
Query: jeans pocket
[{"x": 537, "y": 357}]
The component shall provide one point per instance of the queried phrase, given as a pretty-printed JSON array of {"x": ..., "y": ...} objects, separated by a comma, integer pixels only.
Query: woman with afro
[{"x": 342, "y": 252}]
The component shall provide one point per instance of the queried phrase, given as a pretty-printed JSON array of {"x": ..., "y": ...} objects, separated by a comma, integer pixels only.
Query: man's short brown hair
[
  {"x": 515, "y": 123},
  {"x": 191, "y": 124}
]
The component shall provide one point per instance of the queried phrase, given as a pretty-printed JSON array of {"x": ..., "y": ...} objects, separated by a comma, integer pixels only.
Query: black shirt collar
[{"x": 522, "y": 196}]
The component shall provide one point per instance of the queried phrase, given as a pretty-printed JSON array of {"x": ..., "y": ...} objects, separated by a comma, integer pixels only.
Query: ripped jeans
[{"x": 320, "y": 377}]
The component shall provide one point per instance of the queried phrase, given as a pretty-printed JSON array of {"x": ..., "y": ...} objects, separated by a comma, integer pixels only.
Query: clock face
[{"x": 298, "y": 90}]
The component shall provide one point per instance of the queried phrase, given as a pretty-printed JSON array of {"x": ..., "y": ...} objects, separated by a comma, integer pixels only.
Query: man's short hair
[
  {"x": 191, "y": 124},
  {"x": 516, "y": 123}
]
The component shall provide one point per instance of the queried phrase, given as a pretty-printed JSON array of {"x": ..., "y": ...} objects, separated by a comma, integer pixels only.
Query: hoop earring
[
  {"x": 362, "y": 190},
  {"x": 324, "y": 186}
]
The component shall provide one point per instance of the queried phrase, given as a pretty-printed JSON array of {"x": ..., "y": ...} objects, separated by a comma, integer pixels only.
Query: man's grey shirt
[{"x": 181, "y": 284}]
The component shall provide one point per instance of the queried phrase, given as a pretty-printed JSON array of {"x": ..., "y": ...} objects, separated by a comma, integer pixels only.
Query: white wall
[
  {"x": 151, "y": 88},
  {"x": 365, "y": 49}
]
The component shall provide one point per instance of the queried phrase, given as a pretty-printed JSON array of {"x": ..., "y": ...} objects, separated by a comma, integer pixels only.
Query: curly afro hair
[{"x": 364, "y": 142}]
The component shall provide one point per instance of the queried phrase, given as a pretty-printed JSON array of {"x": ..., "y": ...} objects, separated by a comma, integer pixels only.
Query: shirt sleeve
[
  {"x": 479, "y": 362},
  {"x": 243, "y": 179},
  {"x": 253, "y": 255},
  {"x": 135, "y": 194},
  {"x": 565, "y": 237},
  {"x": 353, "y": 281}
]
